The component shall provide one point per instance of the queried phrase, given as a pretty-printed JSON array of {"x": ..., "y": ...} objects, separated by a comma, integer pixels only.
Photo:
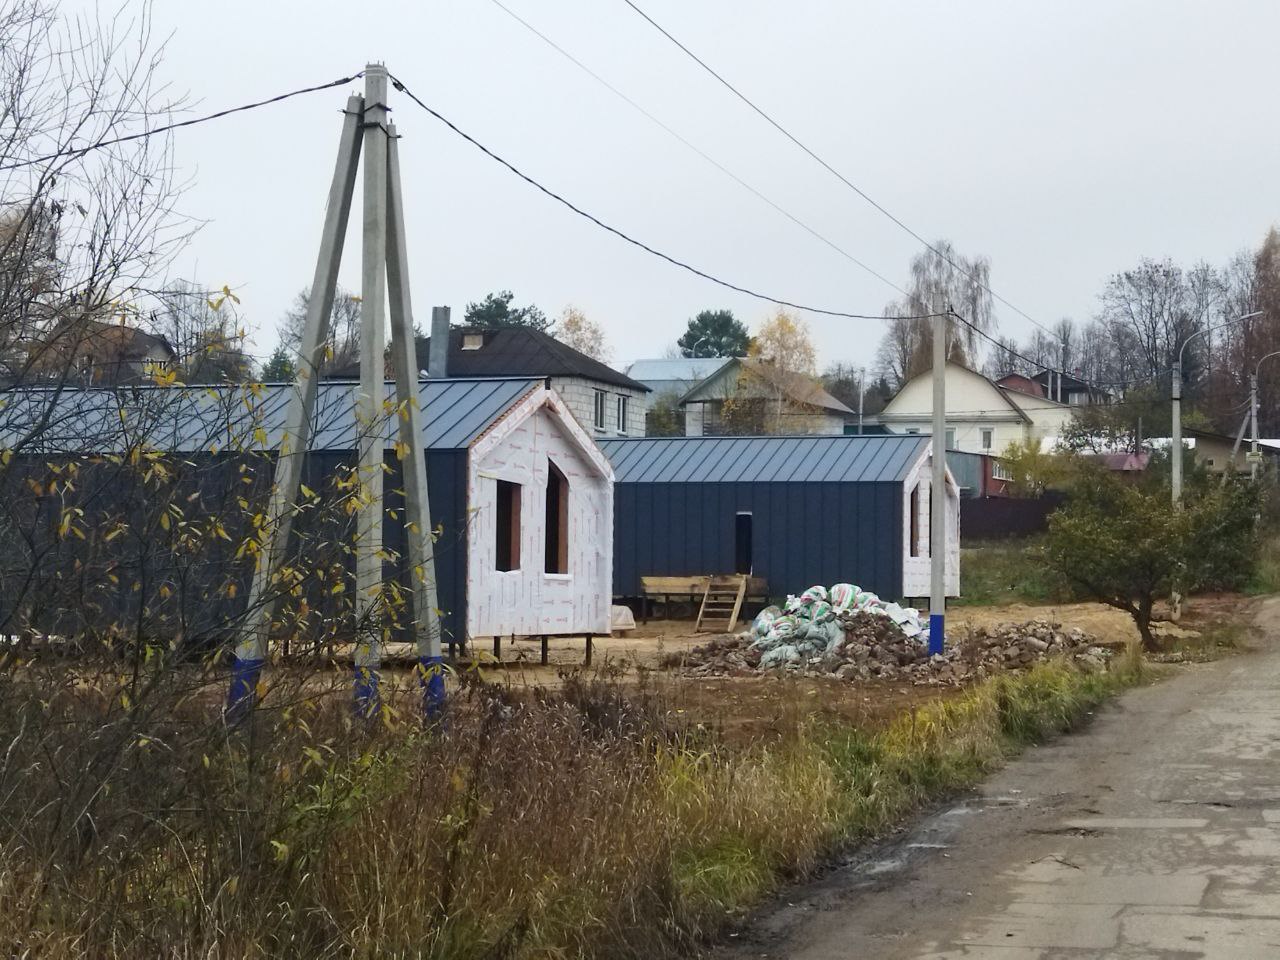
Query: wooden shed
[
  {"x": 521, "y": 495},
  {"x": 796, "y": 511}
]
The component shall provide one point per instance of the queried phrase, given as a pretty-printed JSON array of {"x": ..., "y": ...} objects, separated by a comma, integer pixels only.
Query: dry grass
[{"x": 579, "y": 822}]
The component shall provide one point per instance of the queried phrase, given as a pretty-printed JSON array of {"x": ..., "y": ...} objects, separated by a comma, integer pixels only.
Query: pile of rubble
[{"x": 865, "y": 645}]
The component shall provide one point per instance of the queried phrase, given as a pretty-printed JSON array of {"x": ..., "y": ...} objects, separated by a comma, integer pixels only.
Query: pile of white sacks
[{"x": 814, "y": 623}]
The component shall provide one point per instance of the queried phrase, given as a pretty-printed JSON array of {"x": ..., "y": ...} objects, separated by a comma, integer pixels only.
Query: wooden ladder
[{"x": 722, "y": 601}]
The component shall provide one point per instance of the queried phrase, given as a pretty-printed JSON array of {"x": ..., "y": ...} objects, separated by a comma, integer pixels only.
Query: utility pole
[
  {"x": 1253, "y": 416},
  {"x": 862, "y": 389},
  {"x": 369, "y": 611},
  {"x": 1254, "y": 455},
  {"x": 938, "y": 492},
  {"x": 265, "y": 593},
  {"x": 1176, "y": 447},
  {"x": 384, "y": 264}
]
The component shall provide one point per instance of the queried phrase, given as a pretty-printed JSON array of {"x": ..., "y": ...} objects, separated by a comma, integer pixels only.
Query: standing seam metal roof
[
  {"x": 830, "y": 459},
  {"x": 195, "y": 419}
]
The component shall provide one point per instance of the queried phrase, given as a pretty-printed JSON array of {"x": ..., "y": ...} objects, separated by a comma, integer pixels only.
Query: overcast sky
[{"x": 1063, "y": 141}]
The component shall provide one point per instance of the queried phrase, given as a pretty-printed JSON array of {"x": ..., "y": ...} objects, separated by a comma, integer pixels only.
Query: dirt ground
[{"x": 747, "y": 708}]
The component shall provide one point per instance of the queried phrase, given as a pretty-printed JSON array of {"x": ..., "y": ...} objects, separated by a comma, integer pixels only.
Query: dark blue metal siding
[{"x": 803, "y": 533}]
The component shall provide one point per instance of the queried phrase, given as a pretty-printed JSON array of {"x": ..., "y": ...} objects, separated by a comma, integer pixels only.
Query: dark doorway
[{"x": 742, "y": 543}]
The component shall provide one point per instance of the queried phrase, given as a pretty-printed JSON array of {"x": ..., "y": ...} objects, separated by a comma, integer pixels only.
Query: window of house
[
  {"x": 1078, "y": 399},
  {"x": 914, "y": 527},
  {"x": 557, "y": 526},
  {"x": 472, "y": 341},
  {"x": 622, "y": 414},
  {"x": 507, "y": 533},
  {"x": 951, "y": 439},
  {"x": 598, "y": 419},
  {"x": 1000, "y": 470},
  {"x": 988, "y": 436}
]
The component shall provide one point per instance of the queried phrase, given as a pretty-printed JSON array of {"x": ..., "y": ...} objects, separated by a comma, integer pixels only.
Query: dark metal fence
[{"x": 1004, "y": 518}]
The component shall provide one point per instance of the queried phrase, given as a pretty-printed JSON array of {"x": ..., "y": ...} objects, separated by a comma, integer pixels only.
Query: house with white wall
[{"x": 983, "y": 416}]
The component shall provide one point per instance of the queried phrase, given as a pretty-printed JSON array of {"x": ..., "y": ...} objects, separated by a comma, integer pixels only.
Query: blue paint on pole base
[
  {"x": 432, "y": 687},
  {"x": 368, "y": 702},
  {"x": 243, "y": 692},
  {"x": 937, "y": 632}
]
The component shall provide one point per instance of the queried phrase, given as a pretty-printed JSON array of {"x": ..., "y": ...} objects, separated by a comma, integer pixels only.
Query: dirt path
[{"x": 1154, "y": 833}]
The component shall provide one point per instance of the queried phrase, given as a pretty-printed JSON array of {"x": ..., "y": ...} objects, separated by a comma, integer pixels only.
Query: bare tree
[
  {"x": 942, "y": 281},
  {"x": 344, "y": 327}
]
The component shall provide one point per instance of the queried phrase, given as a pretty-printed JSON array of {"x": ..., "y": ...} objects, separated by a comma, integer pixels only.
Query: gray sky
[{"x": 1064, "y": 141}]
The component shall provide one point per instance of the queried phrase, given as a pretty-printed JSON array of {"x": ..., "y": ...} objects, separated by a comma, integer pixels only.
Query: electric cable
[
  {"x": 829, "y": 168},
  {"x": 144, "y": 134},
  {"x": 400, "y": 86}
]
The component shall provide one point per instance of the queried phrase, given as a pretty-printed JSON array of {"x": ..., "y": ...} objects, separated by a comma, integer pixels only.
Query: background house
[
  {"x": 983, "y": 416},
  {"x": 751, "y": 396},
  {"x": 85, "y": 351},
  {"x": 675, "y": 375},
  {"x": 794, "y": 510},
  {"x": 605, "y": 402}
]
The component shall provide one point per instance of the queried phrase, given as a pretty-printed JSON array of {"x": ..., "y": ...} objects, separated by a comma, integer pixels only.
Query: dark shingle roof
[
  {"x": 515, "y": 352},
  {"x": 198, "y": 419},
  {"x": 831, "y": 459}
]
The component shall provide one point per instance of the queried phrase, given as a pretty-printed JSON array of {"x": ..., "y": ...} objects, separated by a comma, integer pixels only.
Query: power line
[
  {"x": 711, "y": 160},
  {"x": 144, "y": 134},
  {"x": 1010, "y": 351},
  {"x": 399, "y": 85},
  {"x": 829, "y": 168}
]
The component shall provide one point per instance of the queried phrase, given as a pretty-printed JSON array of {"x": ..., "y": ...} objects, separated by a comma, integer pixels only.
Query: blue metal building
[{"x": 796, "y": 511}]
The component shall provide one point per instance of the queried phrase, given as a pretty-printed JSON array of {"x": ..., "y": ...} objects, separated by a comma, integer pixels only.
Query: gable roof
[
  {"x": 514, "y": 352},
  {"x": 204, "y": 419},
  {"x": 800, "y": 389},
  {"x": 997, "y": 389},
  {"x": 825, "y": 459},
  {"x": 666, "y": 370}
]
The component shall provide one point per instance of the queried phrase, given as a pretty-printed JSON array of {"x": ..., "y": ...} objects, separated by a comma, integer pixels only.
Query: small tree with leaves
[{"x": 1126, "y": 545}]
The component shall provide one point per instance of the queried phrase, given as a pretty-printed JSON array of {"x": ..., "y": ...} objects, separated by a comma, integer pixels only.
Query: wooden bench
[{"x": 691, "y": 588}]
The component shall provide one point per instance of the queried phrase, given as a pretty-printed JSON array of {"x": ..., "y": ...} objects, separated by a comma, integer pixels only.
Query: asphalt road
[{"x": 1153, "y": 833}]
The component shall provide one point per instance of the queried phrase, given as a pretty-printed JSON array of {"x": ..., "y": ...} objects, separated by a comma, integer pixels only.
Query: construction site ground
[{"x": 745, "y": 708}]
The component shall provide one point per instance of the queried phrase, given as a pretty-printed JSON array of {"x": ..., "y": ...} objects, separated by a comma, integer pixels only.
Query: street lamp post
[{"x": 1176, "y": 447}]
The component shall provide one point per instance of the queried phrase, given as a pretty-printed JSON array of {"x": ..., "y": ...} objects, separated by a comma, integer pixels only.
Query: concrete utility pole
[
  {"x": 371, "y": 397},
  {"x": 384, "y": 262},
  {"x": 862, "y": 389},
  {"x": 265, "y": 594},
  {"x": 1255, "y": 456},
  {"x": 419, "y": 538},
  {"x": 1175, "y": 451},
  {"x": 938, "y": 492}
]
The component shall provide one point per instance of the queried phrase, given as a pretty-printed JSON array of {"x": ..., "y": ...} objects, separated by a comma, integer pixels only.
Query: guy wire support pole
[
  {"x": 938, "y": 491},
  {"x": 371, "y": 398},
  {"x": 264, "y": 593},
  {"x": 418, "y": 533}
]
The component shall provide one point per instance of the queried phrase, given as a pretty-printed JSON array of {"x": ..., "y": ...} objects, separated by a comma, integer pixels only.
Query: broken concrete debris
[{"x": 853, "y": 635}]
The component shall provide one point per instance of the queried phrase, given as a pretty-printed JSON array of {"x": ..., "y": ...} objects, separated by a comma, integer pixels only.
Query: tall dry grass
[{"x": 577, "y": 823}]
